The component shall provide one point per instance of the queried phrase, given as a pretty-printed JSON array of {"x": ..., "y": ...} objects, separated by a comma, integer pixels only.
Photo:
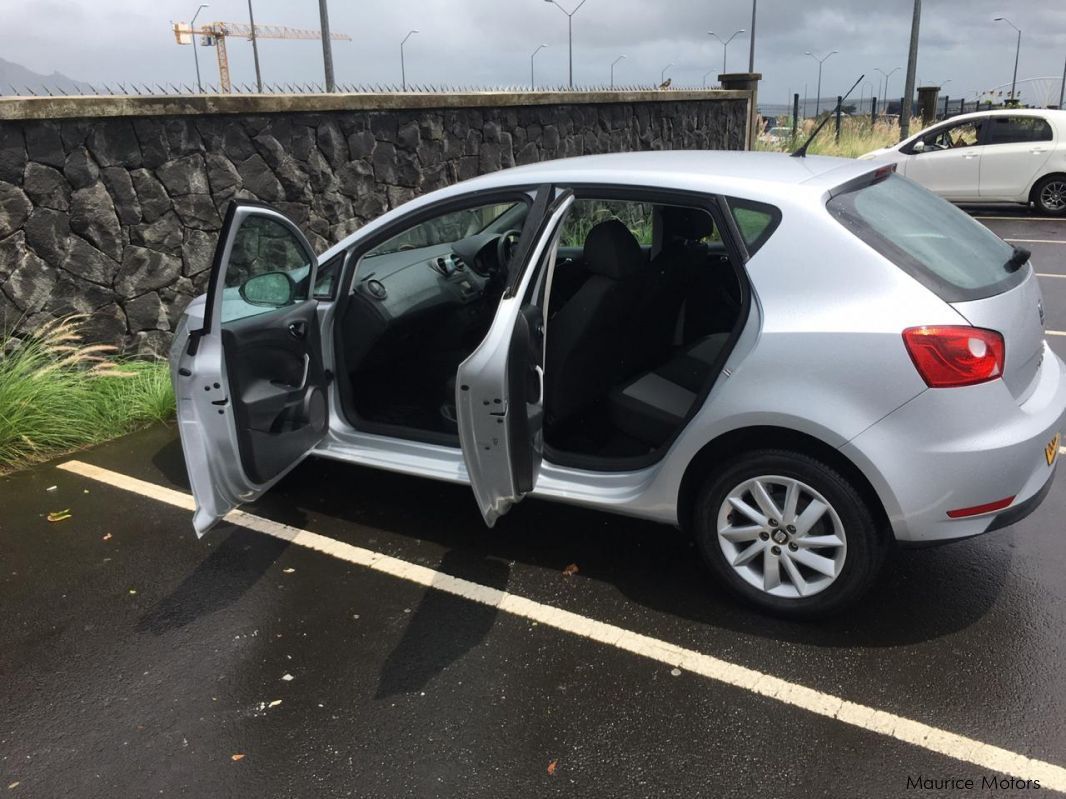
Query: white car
[{"x": 1010, "y": 156}]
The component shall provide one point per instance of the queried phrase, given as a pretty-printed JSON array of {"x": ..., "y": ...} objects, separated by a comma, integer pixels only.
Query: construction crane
[{"x": 215, "y": 34}]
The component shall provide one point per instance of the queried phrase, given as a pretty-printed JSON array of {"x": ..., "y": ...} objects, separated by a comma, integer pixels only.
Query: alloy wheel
[
  {"x": 781, "y": 536},
  {"x": 1053, "y": 195}
]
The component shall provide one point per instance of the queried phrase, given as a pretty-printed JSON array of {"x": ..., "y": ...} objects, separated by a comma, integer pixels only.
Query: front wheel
[
  {"x": 789, "y": 534},
  {"x": 1049, "y": 195}
]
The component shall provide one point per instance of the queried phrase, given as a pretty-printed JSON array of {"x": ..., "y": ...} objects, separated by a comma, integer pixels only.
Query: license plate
[{"x": 1051, "y": 451}]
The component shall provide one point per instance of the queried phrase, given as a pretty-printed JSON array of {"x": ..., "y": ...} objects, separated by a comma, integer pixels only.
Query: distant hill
[{"x": 22, "y": 79}]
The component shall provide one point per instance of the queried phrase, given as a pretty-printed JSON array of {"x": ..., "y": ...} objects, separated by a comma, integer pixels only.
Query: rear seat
[{"x": 651, "y": 406}]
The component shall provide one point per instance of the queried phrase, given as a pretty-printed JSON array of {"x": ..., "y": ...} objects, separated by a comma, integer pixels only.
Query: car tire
[
  {"x": 1049, "y": 195},
  {"x": 785, "y": 551}
]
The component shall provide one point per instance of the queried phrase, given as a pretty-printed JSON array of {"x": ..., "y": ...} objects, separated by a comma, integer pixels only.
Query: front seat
[{"x": 586, "y": 350}]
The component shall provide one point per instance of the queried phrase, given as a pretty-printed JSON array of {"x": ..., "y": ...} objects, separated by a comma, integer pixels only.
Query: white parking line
[
  {"x": 1055, "y": 332},
  {"x": 1048, "y": 274},
  {"x": 1025, "y": 218},
  {"x": 903, "y": 729},
  {"x": 1037, "y": 241}
]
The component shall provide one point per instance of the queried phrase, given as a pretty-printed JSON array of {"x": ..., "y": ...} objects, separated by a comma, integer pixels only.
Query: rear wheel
[
  {"x": 1049, "y": 195},
  {"x": 789, "y": 534}
]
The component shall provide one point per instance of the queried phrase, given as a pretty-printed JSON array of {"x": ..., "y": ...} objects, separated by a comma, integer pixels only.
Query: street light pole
[
  {"x": 705, "y": 78},
  {"x": 725, "y": 45},
  {"x": 403, "y": 67},
  {"x": 884, "y": 90},
  {"x": 255, "y": 49},
  {"x": 1017, "y": 50},
  {"x": 662, "y": 75},
  {"x": 570, "y": 26},
  {"x": 912, "y": 68},
  {"x": 612, "y": 68},
  {"x": 751, "y": 40},
  {"x": 532, "y": 79},
  {"x": 195, "y": 55},
  {"x": 327, "y": 45},
  {"x": 818, "y": 98}
]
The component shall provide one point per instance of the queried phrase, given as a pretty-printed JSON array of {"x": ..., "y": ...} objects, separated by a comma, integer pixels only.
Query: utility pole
[
  {"x": 912, "y": 68},
  {"x": 327, "y": 48},
  {"x": 751, "y": 45},
  {"x": 195, "y": 56},
  {"x": 255, "y": 49}
]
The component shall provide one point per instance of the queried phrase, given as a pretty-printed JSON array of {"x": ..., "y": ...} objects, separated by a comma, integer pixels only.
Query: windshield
[
  {"x": 453, "y": 227},
  {"x": 929, "y": 238}
]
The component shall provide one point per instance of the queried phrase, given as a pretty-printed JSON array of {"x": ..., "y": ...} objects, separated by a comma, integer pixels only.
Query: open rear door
[
  {"x": 500, "y": 387},
  {"x": 250, "y": 386}
]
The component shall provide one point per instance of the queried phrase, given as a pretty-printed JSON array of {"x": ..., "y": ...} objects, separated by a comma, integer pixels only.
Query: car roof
[
  {"x": 750, "y": 173},
  {"x": 1052, "y": 113}
]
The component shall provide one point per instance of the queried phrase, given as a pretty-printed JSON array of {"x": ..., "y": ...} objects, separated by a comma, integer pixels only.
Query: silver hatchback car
[{"x": 801, "y": 360}]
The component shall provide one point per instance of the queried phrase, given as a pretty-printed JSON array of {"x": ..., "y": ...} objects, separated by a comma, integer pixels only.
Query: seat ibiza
[{"x": 803, "y": 361}]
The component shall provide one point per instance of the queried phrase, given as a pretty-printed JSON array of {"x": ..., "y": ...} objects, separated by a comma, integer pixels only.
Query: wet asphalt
[{"x": 136, "y": 660}]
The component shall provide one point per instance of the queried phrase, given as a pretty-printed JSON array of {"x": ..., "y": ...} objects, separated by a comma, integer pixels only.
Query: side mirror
[
  {"x": 271, "y": 289},
  {"x": 918, "y": 147}
]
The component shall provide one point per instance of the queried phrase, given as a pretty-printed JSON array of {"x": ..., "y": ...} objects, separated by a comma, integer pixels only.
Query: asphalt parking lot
[{"x": 298, "y": 653}]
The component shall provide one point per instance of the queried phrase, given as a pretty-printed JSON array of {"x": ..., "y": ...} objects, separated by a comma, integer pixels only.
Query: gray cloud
[{"x": 488, "y": 42}]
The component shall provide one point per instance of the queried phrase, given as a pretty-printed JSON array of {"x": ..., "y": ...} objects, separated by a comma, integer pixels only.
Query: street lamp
[
  {"x": 822, "y": 60},
  {"x": 1017, "y": 50},
  {"x": 403, "y": 67},
  {"x": 662, "y": 75},
  {"x": 570, "y": 21},
  {"x": 725, "y": 45},
  {"x": 532, "y": 80},
  {"x": 195, "y": 55},
  {"x": 884, "y": 91},
  {"x": 612, "y": 68},
  {"x": 706, "y": 76}
]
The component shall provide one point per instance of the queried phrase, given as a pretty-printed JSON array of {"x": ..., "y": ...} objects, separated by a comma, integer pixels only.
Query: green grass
[
  {"x": 58, "y": 394},
  {"x": 857, "y": 136}
]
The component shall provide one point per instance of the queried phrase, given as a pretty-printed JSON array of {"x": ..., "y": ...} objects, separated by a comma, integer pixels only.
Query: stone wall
[{"x": 111, "y": 207}]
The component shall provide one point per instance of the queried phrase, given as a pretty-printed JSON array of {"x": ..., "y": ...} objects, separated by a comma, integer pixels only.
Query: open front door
[
  {"x": 500, "y": 387},
  {"x": 250, "y": 386}
]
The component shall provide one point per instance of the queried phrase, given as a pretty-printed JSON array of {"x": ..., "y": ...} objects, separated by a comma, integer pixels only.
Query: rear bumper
[{"x": 960, "y": 448}]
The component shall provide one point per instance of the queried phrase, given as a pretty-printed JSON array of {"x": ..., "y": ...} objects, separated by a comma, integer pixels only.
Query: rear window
[{"x": 929, "y": 238}]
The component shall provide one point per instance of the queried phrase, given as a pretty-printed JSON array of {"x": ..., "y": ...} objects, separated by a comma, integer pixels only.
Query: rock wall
[{"x": 116, "y": 214}]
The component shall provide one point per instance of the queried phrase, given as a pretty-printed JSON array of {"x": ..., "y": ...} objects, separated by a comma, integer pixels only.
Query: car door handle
[
  {"x": 1038, "y": 150},
  {"x": 968, "y": 156},
  {"x": 298, "y": 329}
]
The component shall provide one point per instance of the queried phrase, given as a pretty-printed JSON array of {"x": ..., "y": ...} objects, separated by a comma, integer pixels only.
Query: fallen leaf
[
  {"x": 275, "y": 703},
  {"x": 570, "y": 570},
  {"x": 551, "y": 768},
  {"x": 59, "y": 515},
  {"x": 236, "y": 757},
  {"x": 107, "y": 537}
]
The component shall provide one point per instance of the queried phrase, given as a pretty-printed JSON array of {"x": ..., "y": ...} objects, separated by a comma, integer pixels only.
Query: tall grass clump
[
  {"x": 857, "y": 137},
  {"x": 59, "y": 394}
]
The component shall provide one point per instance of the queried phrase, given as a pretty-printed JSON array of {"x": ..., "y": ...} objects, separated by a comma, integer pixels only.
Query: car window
[
  {"x": 326, "y": 277},
  {"x": 1010, "y": 130},
  {"x": 964, "y": 134},
  {"x": 587, "y": 213},
  {"x": 929, "y": 238},
  {"x": 451, "y": 227},
  {"x": 755, "y": 221},
  {"x": 264, "y": 248}
]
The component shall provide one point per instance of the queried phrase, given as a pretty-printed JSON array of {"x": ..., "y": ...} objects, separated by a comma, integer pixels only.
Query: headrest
[
  {"x": 611, "y": 250},
  {"x": 687, "y": 223}
]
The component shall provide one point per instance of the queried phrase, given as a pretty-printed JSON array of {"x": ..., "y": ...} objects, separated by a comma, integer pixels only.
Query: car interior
[{"x": 641, "y": 307}]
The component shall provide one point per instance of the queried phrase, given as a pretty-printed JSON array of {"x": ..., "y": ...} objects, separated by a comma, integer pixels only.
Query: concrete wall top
[{"x": 72, "y": 107}]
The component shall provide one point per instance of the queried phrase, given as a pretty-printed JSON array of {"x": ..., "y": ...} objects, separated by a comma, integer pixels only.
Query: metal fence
[{"x": 946, "y": 107}]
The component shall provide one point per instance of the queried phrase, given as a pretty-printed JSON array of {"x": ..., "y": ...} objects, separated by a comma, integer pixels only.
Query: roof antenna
[{"x": 801, "y": 151}]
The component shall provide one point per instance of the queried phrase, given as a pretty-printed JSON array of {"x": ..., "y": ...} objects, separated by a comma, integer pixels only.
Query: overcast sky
[{"x": 488, "y": 42}]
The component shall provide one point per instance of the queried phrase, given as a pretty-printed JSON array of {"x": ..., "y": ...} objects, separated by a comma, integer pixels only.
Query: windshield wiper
[{"x": 1019, "y": 259}]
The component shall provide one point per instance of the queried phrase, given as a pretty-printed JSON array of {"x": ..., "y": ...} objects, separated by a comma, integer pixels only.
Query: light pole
[
  {"x": 255, "y": 49},
  {"x": 822, "y": 60},
  {"x": 884, "y": 91},
  {"x": 570, "y": 22},
  {"x": 662, "y": 75},
  {"x": 725, "y": 45},
  {"x": 751, "y": 41},
  {"x": 612, "y": 68},
  {"x": 705, "y": 77},
  {"x": 1017, "y": 51},
  {"x": 327, "y": 45},
  {"x": 532, "y": 79},
  {"x": 403, "y": 67},
  {"x": 195, "y": 55}
]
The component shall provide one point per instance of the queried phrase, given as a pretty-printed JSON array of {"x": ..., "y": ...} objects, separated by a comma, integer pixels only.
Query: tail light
[{"x": 950, "y": 356}]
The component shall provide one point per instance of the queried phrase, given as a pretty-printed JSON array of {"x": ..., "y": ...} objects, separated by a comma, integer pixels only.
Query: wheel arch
[{"x": 727, "y": 446}]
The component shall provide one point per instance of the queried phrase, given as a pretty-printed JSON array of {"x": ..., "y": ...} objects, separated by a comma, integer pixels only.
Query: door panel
[
  {"x": 250, "y": 384},
  {"x": 950, "y": 164},
  {"x": 1016, "y": 149},
  {"x": 500, "y": 387}
]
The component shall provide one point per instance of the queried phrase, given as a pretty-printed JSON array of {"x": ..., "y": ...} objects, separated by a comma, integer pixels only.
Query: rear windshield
[{"x": 929, "y": 238}]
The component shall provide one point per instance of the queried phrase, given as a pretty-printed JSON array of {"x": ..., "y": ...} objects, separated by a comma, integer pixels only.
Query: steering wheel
[{"x": 505, "y": 248}]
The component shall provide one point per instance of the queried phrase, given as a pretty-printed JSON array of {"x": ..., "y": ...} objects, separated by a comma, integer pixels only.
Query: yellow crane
[{"x": 216, "y": 33}]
